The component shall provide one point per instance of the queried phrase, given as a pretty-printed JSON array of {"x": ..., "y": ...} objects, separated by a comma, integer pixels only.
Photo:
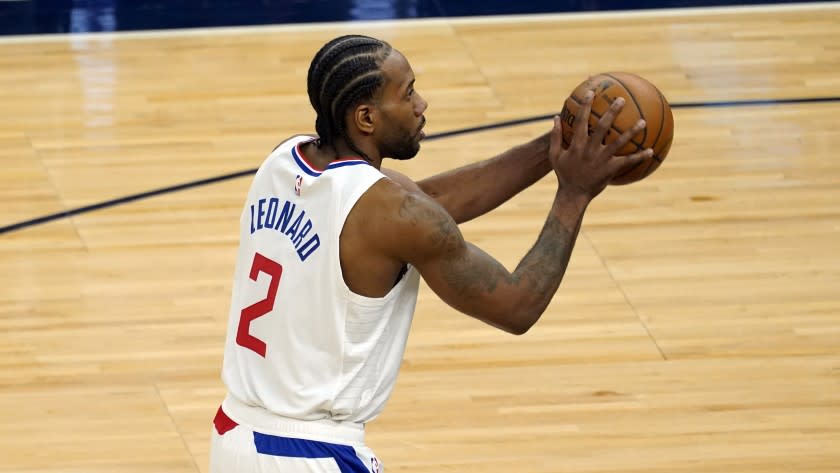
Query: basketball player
[{"x": 333, "y": 246}]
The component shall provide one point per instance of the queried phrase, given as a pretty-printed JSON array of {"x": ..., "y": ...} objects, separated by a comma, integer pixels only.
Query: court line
[{"x": 446, "y": 134}]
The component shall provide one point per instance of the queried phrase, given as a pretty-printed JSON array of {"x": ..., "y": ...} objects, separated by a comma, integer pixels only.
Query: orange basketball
[{"x": 641, "y": 100}]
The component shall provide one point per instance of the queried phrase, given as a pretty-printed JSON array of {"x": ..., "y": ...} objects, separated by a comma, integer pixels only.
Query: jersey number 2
[{"x": 258, "y": 309}]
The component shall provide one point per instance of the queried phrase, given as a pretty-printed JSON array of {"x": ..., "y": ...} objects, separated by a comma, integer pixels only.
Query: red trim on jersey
[
  {"x": 304, "y": 159},
  {"x": 222, "y": 422},
  {"x": 312, "y": 167},
  {"x": 348, "y": 158}
]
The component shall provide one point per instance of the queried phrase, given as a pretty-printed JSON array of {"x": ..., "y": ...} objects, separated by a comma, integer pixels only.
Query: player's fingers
[
  {"x": 625, "y": 137},
  {"x": 581, "y": 130},
  {"x": 556, "y": 135},
  {"x": 606, "y": 120},
  {"x": 622, "y": 164}
]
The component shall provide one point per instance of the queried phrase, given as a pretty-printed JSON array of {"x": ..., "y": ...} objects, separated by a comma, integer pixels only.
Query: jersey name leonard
[{"x": 289, "y": 220}]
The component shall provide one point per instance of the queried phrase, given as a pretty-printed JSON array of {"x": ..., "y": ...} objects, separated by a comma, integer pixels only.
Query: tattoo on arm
[
  {"x": 543, "y": 267},
  {"x": 458, "y": 271},
  {"x": 418, "y": 212},
  {"x": 470, "y": 277},
  {"x": 466, "y": 270}
]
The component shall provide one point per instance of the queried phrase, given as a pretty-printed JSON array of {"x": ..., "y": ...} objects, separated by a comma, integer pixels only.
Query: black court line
[
  {"x": 124, "y": 200},
  {"x": 446, "y": 134}
]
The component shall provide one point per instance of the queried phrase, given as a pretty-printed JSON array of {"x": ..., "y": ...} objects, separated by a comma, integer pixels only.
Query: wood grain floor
[{"x": 698, "y": 328}]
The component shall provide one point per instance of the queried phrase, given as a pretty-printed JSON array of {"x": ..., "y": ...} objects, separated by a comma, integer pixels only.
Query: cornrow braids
[{"x": 344, "y": 73}]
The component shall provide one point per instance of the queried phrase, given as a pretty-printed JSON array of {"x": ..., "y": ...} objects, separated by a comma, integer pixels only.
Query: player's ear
[{"x": 364, "y": 118}]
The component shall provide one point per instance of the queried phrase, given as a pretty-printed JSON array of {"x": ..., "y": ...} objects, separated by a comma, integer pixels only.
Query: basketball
[{"x": 641, "y": 100}]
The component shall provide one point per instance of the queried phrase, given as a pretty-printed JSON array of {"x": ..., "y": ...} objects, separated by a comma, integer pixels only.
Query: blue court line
[{"x": 437, "y": 136}]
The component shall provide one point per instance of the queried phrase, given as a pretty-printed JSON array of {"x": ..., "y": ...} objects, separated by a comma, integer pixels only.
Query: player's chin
[
  {"x": 414, "y": 151},
  {"x": 407, "y": 153},
  {"x": 416, "y": 148}
]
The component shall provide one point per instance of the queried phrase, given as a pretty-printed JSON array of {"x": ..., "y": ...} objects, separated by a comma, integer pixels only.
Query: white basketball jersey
[{"x": 300, "y": 344}]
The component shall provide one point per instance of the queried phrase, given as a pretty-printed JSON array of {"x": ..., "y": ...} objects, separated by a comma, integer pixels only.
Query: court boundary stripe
[
  {"x": 446, "y": 134},
  {"x": 367, "y": 25}
]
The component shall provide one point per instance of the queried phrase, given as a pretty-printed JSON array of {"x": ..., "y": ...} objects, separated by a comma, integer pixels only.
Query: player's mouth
[{"x": 420, "y": 133}]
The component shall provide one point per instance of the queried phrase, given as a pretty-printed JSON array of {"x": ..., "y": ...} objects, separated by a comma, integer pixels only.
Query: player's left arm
[{"x": 475, "y": 189}]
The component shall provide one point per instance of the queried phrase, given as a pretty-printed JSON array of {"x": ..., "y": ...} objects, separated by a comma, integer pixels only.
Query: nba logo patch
[
  {"x": 298, "y": 183},
  {"x": 374, "y": 465}
]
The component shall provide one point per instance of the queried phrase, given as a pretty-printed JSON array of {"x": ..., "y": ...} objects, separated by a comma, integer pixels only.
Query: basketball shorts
[{"x": 291, "y": 448}]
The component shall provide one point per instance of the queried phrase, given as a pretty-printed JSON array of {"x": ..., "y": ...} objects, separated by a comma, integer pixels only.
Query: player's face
[{"x": 401, "y": 127}]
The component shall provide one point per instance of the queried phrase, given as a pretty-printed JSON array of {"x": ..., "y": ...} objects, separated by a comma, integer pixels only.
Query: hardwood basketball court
[{"x": 697, "y": 329}]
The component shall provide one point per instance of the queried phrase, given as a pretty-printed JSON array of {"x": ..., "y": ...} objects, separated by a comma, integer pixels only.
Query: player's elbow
[
  {"x": 521, "y": 321},
  {"x": 514, "y": 312},
  {"x": 519, "y": 329}
]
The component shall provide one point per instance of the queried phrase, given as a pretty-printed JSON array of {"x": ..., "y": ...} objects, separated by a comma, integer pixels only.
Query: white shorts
[{"x": 235, "y": 448}]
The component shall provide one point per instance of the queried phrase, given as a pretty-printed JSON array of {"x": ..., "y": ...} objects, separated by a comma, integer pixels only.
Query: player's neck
[{"x": 343, "y": 151}]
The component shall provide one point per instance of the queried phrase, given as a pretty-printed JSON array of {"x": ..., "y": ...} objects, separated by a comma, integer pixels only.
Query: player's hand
[{"x": 585, "y": 168}]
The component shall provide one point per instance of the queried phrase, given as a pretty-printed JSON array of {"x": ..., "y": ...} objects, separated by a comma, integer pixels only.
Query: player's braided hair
[{"x": 344, "y": 73}]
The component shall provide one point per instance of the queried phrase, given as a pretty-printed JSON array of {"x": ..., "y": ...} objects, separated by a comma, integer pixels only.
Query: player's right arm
[{"x": 474, "y": 282}]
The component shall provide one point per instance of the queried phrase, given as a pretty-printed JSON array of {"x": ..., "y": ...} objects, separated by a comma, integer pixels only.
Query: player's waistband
[{"x": 263, "y": 421}]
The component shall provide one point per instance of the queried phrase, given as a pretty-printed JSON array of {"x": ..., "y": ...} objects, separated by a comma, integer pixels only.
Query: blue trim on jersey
[
  {"x": 345, "y": 163},
  {"x": 303, "y": 165},
  {"x": 309, "y": 170},
  {"x": 344, "y": 455}
]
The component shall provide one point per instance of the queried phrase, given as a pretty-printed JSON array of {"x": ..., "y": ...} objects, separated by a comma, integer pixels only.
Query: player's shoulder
[
  {"x": 405, "y": 201},
  {"x": 399, "y": 178},
  {"x": 395, "y": 189},
  {"x": 405, "y": 218}
]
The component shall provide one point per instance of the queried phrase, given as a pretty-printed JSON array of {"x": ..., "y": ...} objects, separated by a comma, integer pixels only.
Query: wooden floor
[{"x": 698, "y": 328}]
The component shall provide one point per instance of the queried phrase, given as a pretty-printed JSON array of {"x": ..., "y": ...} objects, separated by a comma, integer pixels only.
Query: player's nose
[{"x": 420, "y": 106}]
